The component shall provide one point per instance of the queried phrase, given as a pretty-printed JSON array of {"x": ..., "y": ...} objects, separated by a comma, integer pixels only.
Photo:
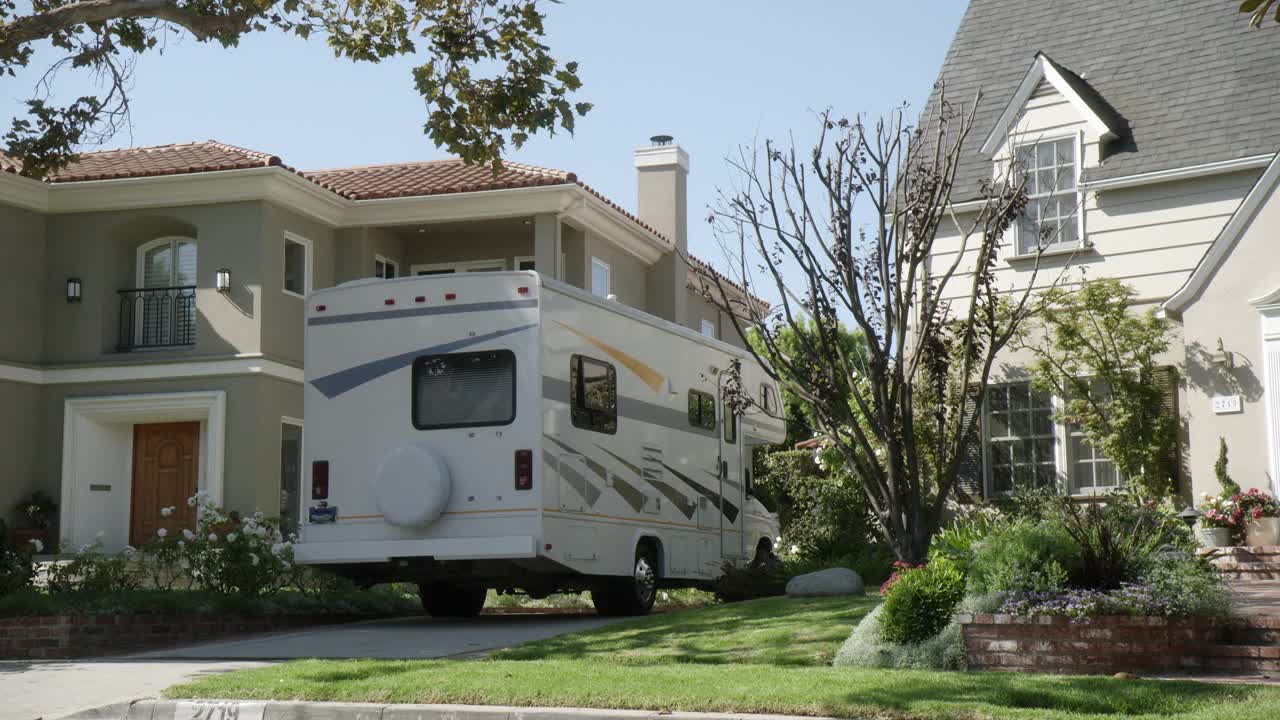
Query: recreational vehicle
[{"x": 503, "y": 430}]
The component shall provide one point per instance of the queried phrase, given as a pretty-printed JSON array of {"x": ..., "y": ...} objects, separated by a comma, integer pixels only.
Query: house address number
[
  {"x": 218, "y": 710},
  {"x": 1226, "y": 404}
]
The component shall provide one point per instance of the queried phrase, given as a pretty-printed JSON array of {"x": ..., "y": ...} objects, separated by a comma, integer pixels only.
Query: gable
[{"x": 1044, "y": 79}]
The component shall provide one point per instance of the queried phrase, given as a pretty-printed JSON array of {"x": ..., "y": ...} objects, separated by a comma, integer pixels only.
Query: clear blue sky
[{"x": 713, "y": 74}]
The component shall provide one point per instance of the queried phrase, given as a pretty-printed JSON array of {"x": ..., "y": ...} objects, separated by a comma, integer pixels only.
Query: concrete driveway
[{"x": 55, "y": 689}]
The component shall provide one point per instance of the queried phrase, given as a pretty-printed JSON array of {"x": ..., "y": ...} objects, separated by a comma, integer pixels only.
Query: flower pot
[
  {"x": 22, "y": 537},
  {"x": 1263, "y": 531},
  {"x": 1215, "y": 537}
]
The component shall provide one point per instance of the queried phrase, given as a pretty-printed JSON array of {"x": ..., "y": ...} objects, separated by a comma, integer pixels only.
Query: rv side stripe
[
  {"x": 337, "y": 383},
  {"x": 422, "y": 311},
  {"x": 631, "y": 408}
]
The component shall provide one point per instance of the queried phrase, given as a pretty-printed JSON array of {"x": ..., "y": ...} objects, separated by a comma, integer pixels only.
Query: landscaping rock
[{"x": 823, "y": 583}]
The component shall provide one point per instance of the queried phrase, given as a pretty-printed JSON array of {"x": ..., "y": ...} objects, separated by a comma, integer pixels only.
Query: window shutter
[
  {"x": 1166, "y": 378},
  {"x": 969, "y": 480}
]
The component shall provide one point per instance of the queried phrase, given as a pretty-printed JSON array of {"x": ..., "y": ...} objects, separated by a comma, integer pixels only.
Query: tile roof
[
  {"x": 1190, "y": 81},
  {"x": 367, "y": 182}
]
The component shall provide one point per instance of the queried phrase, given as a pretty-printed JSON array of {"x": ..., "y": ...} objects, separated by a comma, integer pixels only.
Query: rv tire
[
  {"x": 451, "y": 601},
  {"x": 632, "y": 595}
]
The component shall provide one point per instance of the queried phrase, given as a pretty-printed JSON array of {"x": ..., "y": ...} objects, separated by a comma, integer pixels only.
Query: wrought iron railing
[{"x": 157, "y": 317}]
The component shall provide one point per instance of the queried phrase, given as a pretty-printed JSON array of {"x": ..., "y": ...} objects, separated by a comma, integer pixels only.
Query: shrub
[
  {"x": 92, "y": 572},
  {"x": 16, "y": 568},
  {"x": 232, "y": 554},
  {"x": 1187, "y": 585},
  {"x": 822, "y": 514},
  {"x": 920, "y": 603},
  {"x": 1023, "y": 556},
  {"x": 958, "y": 541},
  {"x": 1117, "y": 539},
  {"x": 1172, "y": 585},
  {"x": 866, "y": 647},
  {"x": 749, "y": 582}
]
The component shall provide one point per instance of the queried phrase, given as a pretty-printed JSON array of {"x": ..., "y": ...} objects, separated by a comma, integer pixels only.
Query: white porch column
[{"x": 547, "y": 245}]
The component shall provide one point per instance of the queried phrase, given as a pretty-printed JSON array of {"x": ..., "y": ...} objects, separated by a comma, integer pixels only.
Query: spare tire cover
[{"x": 412, "y": 486}]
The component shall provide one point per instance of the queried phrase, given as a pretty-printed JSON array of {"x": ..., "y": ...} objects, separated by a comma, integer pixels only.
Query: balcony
[{"x": 155, "y": 318}]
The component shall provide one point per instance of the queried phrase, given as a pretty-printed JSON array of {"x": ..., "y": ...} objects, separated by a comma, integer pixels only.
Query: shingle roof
[{"x": 1190, "y": 81}]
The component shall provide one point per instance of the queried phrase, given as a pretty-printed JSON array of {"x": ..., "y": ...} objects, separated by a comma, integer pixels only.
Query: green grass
[{"x": 761, "y": 656}]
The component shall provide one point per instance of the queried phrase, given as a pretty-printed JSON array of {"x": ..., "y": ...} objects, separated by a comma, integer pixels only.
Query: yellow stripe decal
[{"x": 648, "y": 375}]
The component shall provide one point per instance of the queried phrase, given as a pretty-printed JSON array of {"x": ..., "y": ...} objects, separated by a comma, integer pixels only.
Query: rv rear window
[
  {"x": 702, "y": 410},
  {"x": 594, "y": 388},
  {"x": 464, "y": 389}
]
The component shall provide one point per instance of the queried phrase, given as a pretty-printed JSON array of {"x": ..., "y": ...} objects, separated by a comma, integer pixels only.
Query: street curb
[{"x": 285, "y": 710}]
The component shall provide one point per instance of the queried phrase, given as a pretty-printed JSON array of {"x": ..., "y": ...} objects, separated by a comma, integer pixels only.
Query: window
[
  {"x": 469, "y": 389},
  {"x": 767, "y": 402},
  {"x": 290, "y": 473},
  {"x": 1088, "y": 470},
  {"x": 599, "y": 278},
  {"x": 384, "y": 268},
  {"x": 164, "y": 311},
  {"x": 702, "y": 410},
  {"x": 730, "y": 424},
  {"x": 459, "y": 267},
  {"x": 593, "y": 390},
  {"x": 708, "y": 328},
  {"x": 297, "y": 265},
  {"x": 1021, "y": 439},
  {"x": 524, "y": 262},
  {"x": 1050, "y": 216}
]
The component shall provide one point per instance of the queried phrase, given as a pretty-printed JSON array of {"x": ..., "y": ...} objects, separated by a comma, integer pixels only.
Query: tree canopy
[{"x": 486, "y": 76}]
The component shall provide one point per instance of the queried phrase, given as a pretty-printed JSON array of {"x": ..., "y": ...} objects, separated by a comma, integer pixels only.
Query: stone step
[{"x": 1243, "y": 553}]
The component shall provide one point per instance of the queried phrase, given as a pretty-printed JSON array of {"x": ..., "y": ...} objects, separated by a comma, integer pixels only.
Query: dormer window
[{"x": 1050, "y": 220}]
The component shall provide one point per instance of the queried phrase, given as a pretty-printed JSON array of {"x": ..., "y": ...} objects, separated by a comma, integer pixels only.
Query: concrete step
[{"x": 1243, "y": 553}]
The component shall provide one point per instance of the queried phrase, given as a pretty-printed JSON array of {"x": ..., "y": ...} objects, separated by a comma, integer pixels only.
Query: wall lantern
[
  {"x": 73, "y": 290},
  {"x": 1223, "y": 358},
  {"x": 222, "y": 280}
]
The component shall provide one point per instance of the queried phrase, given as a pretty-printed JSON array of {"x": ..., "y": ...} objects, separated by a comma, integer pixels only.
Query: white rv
[{"x": 505, "y": 431}]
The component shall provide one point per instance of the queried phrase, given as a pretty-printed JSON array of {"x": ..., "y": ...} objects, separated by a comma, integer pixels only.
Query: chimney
[{"x": 662, "y": 172}]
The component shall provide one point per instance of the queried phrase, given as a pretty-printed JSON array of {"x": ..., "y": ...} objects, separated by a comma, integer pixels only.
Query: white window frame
[
  {"x": 515, "y": 261},
  {"x": 709, "y": 329},
  {"x": 1078, "y": 147},
  {"x": 459, "y": 267},
  {"x": 140, "y": 272},
  {"x": 302, "y": 456},
  {"x": 1058, "y": 438},
  {"x": 307, "y": 263},
  {"x": 386, "y": 263},
  {"x": 608, "y": 277}
]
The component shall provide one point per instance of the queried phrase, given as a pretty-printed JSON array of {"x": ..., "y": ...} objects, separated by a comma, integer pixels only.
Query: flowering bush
[
  {"x": 92, "y": 571},
  {"x": 919, "y": 604},
  {"x": 16, "y": 568},
  {"x": 898, "y": 567},
  {"x": 1255, "y": 504},
  {"x": 1221, "y": 511}
]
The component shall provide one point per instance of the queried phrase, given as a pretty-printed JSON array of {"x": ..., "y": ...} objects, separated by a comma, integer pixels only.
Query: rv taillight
[
  {"x": 522, "y": 290},
  {"x": 389, "y": 301},
  {"x": 420, "y": 299},
  {"x": 319, "y": 479},
  {"x": 524, "y": 469}
]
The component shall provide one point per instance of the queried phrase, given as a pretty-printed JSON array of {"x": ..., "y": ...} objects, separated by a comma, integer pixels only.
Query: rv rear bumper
[{"x": 358, "y": 551}]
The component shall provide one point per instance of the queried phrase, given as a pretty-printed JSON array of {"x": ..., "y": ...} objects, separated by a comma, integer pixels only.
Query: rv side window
[
  {"x": 594, "y": 388},
  {"x": 469, "y": 389},
  {"x": 730, "y": 424},
  {"x": 702, "y": 410},
  {"x": 766, "y": 398}
]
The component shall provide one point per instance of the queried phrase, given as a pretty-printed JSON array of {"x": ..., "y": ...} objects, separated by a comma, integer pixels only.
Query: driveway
[{"x": 56, "y": 688}]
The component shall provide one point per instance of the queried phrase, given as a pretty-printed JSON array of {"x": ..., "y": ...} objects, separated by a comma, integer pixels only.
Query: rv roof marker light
[
  {"x": 420, "y": 299},
  {"x": 451, "y": 296},
  {"x": 547, "y": 546},
  {"x": 389, "y": 301},
  {"x": 321, "y": 308},
  {"x": 522, "y": 290}
]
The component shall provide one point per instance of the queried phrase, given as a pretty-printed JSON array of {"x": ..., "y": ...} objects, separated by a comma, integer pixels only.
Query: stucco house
[
  {"x": 1157, "y": 126},
  {"x": 152, "y": 302}
]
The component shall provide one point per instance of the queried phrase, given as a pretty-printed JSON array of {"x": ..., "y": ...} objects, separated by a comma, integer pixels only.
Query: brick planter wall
[
  {"x": 66, "y": 636},
  {"x": 1056, "y": 644}
]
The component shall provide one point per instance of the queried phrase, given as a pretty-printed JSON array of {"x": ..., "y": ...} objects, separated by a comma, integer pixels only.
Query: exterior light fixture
[
  {"x": 73, "y": 290},
  {"x": 222, "y": 280},
  {"x": 1190, "y": 516}
]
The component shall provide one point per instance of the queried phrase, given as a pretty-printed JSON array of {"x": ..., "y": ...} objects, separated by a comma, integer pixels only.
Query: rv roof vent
[{"x": 661, "y": 139}]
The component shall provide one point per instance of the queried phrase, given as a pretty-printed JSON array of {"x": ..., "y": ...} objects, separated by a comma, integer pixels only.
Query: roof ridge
[{"x": 439, "y": 161}]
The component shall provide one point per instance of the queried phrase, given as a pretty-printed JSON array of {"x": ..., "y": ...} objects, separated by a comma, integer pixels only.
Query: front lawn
[{"x": 765, "y": 656}]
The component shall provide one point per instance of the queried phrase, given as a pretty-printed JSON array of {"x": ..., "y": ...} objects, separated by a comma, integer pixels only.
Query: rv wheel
[
  {"x": 631, "y": 595},
  {"x": 451, "y": 601}
]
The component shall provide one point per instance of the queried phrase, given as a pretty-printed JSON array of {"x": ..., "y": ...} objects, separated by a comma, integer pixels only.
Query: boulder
[{"x": 832, "y": 581}]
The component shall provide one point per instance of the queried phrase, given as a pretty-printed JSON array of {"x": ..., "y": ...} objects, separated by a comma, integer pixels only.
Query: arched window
[{"x": 164, "y": 304}]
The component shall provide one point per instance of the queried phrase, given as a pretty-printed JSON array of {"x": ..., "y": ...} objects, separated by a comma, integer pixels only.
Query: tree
[
  {"x": 486, "y": 77},
  {"x": 1258, "y": 10},
  {"x": 933, "y": 324},
  {"x": 1101, "y": 358}
]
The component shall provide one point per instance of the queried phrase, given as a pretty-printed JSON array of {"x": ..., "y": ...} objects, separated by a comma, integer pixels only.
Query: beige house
[
  {"x": 1151, "y": 162},
  {"x": 152, "y": 304}
]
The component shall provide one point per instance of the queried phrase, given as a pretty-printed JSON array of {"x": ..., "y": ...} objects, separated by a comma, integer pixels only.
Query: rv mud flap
[{"x": 348, "y": 551}]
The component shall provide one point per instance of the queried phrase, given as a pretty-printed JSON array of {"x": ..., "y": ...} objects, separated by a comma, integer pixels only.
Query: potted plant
[
  {"x": 1262, "y": 517},
  {"x": 1220, "y": 519},
  {"x": 37, "y": 511}
]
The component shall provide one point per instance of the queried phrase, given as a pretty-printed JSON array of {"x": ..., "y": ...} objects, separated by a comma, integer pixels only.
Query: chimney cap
[{"x": 661, "y": 139}]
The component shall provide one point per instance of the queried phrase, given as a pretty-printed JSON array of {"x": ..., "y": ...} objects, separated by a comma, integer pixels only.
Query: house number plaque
[
  {"x": 1226, "y": 404},
  {"x": 99, "y": 488}
]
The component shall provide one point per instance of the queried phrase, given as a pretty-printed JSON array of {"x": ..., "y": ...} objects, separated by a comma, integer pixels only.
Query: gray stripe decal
[
  {"x": 630, "y": 494},
  {"x": 676, "y": 497},
  {"x": 630, "y": 408},
  {"x": 589, "y": 492},
  {"x": 423, "y": 311},
  {"x": 726, "y": 481},
  {"x": 729, "y": 509},
  {"x": 353, "y": 377}
]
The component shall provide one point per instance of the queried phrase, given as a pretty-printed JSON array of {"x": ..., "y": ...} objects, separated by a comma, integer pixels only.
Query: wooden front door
[{"x": 164, "y": 475}]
